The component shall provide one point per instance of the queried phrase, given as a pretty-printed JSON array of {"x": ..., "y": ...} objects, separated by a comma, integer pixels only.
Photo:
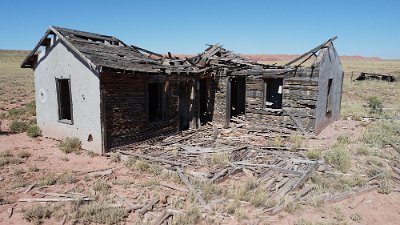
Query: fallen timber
[{"x": 283, "y": 174}]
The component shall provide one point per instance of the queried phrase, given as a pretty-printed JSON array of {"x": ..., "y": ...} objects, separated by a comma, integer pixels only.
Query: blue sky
[{"x": 368, "y": 28}]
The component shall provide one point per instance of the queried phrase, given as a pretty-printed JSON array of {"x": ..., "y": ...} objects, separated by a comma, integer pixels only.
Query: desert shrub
[
  {"x": 220, "y": 159},
  {"x": 192, "y": 216},
  {"x": 100, "y": 214},
  {"x": 362, "y": 150},
  {"x": 6, "y": 154},
  {"x": 24, "y": 112},
  {"x": 67, "y": 179},
  {"x": 37, "y": 214},
  {"x": 9, "y": 160},
  {"x": 356, "y": 217},
  {"x": 17, "y": 126},
  {"x": 338, "y": 157},
  {"x": 209, "y": 190},
  {"x": 343, "y": 139},
  {"x": 70, "y": 144},
  {"x": 231, "y": 207},
  {"x": 375, "y": 104},
  {"x": 354, "y": 110},
  {"x": 381, "y": 133},
  {"x": 314, "y": 154},
  {"x": 33, "y": 169},
  {"x": 259, "y": 197},
  {"x": 33, "y": 131},
  {"x": 143, "y": 166},
  {"x": 101, "y": 186},
  {"x": 47, "y": 180},
  {"x": 296, "y": 142},
  {"x": 240, "y": 214}
]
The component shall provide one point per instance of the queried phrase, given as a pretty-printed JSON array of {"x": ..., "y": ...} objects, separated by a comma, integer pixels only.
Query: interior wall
[{"x": 125, "y": 99}]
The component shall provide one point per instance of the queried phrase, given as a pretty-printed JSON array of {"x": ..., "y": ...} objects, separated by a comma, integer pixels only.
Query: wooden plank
[
  {"x": 272, "y": 167},
  {"x": 198, "y": 197},
  {"x": 174, "y": 163}
]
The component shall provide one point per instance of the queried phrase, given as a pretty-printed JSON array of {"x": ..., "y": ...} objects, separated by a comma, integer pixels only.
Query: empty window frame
[
  {"x": 64, "y": 100},
  {"x": 329, "y": 98},
  {"x": 273, "y": 88},
  {"x": 155, "y": 101}
]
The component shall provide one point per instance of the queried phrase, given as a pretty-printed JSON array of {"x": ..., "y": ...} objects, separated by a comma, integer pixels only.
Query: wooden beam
[{"x": 311, "y": 51}]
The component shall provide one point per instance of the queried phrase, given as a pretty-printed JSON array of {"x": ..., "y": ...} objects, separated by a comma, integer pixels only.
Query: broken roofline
[
  {"x": 213, "y": 58},
  {"x": 121, "y": 58}
]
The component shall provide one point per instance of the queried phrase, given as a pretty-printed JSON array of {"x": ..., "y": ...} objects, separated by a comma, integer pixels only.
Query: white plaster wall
[
  {"x": 330, "y": 68},
  {"x": 60, "y": 62}
]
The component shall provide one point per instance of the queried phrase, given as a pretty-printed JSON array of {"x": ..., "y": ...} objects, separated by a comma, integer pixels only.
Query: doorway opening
[
  {"x": 238, "y": 96},
  {"x": 203, "y": 92}
]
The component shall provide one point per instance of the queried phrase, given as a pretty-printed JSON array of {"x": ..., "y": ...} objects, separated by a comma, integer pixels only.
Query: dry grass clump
[
  {"x": 191, "y": 216},
  {"x": 47, "y": 180},
  {"x": 314, "y": 154},
  {"x": 70, "y": 144},
  {"x": 67, "y": 178},
  {"x": 326, "y": 183},
  {"x": 375, "y": 104},
  {"x": 296, "y": 142},
  {"x": 249, "y": 191},
  {"x": 143, "y": 166},
  {"x": 339, "y": 157},
  {"x": 18, "y": 126},
  {"x": 6, "y": 158},
  {"x": 102, "y": 187},
  {"x": 220, "y": 159},
  {"x": 37, "y": 213},
  {"x": 33, "y": 131},
  {"x": 99, "y": 214},
  {"x": 381, "y": 133}
]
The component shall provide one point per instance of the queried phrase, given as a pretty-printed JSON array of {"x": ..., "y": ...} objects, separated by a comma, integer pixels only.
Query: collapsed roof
[{"x": 103, "y": 53}]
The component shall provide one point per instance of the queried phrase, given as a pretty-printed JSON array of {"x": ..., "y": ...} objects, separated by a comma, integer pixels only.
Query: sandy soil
[{"x": 374, "y": 209}]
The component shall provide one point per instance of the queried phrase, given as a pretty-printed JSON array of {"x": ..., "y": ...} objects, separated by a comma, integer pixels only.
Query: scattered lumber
[
  {"x": 148, "y": 206},
  {"x": 356, "y": 203},
  {"x": 160, "y": 220},
  {"x": 173, "y": 187},
  {"x": 11, "y": 211},
  {"x": 192, "y": 189},
  {"x": 219, "y": 175},
  {"x": 313, "y": 167},
  {"x": 63, "y": 220},
  {"x": 272, "y": 167},
  {"x": 30, "y": 187},
  {"x": 150, "y": 158},
  {"x": 69, "y": 195},
  {"x": 95, "y": 173},
  {"x": 348, "y": 194},
  {"x": 53, "y": 199},
  {"x": 129, "y": 205}
]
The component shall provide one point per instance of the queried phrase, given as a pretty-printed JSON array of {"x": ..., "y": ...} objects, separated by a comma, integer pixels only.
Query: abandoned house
[{"x": 109, "y": 94}]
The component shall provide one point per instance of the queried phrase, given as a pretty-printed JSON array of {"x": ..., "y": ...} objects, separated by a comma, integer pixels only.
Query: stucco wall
[
  {"x": 330, "y": 67},
  {"x": 59, "y": 62}
]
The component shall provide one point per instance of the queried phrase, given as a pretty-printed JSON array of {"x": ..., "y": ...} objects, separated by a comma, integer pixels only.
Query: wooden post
[{"x": 228, "y": 101}]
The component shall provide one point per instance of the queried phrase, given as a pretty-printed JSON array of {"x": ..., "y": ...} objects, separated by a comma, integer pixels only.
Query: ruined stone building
[{"x": 109, "y": 94}]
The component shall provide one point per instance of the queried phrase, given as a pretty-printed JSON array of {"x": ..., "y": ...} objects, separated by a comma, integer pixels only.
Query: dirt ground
[{"x": 375, "y": 208}]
